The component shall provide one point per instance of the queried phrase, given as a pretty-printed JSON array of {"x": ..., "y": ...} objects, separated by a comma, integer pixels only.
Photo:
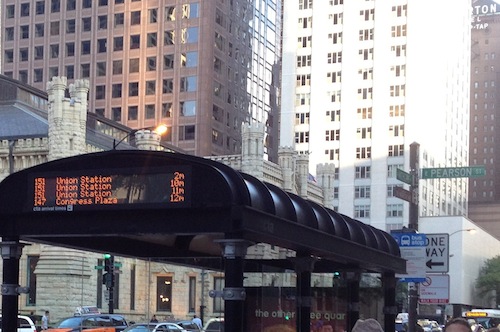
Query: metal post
[
  {"x": 413, "y": 225},
  {"x": 11, "y": 251},
  {"x": 111, "y": 300},
  {"x": 304, "y": 265}
]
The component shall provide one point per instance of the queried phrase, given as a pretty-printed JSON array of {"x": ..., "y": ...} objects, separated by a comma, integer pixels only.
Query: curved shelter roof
[{"x": 173, "y": 207}]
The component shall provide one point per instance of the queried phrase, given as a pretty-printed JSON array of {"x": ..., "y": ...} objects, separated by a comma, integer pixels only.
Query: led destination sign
[{"x": 70, "y": 191}]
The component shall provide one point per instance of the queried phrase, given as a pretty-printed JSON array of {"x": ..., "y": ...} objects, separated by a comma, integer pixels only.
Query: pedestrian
[
  {"x": 197, "y": 321},
  {"x": 367, "y": 325},
  {"x": 457, "y": 325},
  {"x": 153, "y": 319},
  {"x": 45, "y": 320}
]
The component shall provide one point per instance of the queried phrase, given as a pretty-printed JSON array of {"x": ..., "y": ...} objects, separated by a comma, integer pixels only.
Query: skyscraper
[
  {"x": 485, "y": 113},
  {"x": 201, "y": 67},
  {"x": 362, "y": 80}
]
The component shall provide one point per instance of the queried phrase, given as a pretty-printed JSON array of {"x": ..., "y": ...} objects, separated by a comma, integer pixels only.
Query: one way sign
[{"x": 437, "y": 252}]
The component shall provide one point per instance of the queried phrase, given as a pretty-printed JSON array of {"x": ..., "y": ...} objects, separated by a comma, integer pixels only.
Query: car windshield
[{"x": 140, "y": 328}]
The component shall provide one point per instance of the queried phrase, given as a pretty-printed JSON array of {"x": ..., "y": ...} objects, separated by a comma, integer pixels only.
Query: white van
[{"x": 24, "y": 324}]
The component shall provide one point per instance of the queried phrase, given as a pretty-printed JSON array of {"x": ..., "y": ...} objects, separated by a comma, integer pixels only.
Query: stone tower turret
[
  {"x": 146, "y": 139},
  {"x": 302, "y": 165},
  {"x": 325, "y": 175},
  {"x": 67, "y": 117},
  {"x": 252, "y": 151},
  {"x": 286, "y": 160}
]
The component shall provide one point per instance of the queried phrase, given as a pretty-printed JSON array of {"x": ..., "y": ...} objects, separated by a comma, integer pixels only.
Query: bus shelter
[{"x": 176, "y": 208}]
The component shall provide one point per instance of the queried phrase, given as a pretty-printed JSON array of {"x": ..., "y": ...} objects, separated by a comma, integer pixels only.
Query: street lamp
[
  {"x": 469, "y": 230},
  {"x": 160, "y": 130}
]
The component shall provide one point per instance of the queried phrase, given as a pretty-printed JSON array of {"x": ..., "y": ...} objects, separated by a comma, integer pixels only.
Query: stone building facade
[{"x": 63, "y": 279}]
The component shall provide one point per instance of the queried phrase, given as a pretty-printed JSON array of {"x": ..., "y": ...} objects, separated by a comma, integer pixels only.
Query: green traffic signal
[{"x": 107, "y": 256}]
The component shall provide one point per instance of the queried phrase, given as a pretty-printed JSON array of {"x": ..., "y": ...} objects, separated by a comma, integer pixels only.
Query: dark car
[
  {"x": 187, "y": 325},
  {"x": 84, "y": 322}
]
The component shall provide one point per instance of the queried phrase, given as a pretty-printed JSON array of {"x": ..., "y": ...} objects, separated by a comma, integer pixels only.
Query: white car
[{"x": 24, "y": 324}]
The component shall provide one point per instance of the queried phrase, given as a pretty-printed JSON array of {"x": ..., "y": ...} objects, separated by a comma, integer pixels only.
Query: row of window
[
  {"x": 363, "y": 211},
  {"x": 186, "y": 36},
  {"x": 187, "y": 11}
]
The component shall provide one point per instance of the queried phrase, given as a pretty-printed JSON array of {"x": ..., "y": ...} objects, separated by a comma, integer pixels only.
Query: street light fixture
[
  {"x": 469, "y": 230},
  {"x": 160, "y": 130}
]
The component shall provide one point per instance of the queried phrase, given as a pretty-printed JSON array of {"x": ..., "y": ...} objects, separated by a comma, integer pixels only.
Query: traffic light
[
  {"x": 108, "y": 279},
  {"x": 336, "y": 275},
  {"x": 109, "y": 263}
]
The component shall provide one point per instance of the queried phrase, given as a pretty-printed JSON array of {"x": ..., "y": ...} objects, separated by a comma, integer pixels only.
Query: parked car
[
  {"x": 24, "y": 324},
  {"x": 214, "y": 325},
  {"x": 155, "y": 327},
  {"x": 187, "y": 325},
  {"x": 429, "y": 325},
  {"x": 101, "y": 322}
]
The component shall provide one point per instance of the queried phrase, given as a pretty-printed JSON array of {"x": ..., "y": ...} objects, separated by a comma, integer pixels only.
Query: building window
[
  {"x": 332, "y": 135},
  {"x": 394, "y": 210},
  {"x": 9, "y": 34},
  {"x": 118, "y": 43},
  {"x": 166, "y": 110},
  {"x": 85, "y": 70},
  {"x": 363, "y": 172},
  {"x": 71, "y": 5},
  {"x": 132, "y": 287},
  {"x": 86, "y": 24},
  {"x": 117, "y": 67},
  {"x": 119, "y": 19},
  {"x": 362, "y": 192},
  {"x": 25, "y": 32},
  {"x": 302, "y": 118},
  {"x": 397, "y": 130},
  {"x": 187, "y": 133},
  {"x": 133, "y": 66},
  {"x": 102, "y": 45},
  {"x": 23, "y": 54},
  {"x": 87, "y": 3},
  {"x": 85, "y": 47},
  {"x": 40, "y": 7},
  {"x": 39, "y": 30},
  {"x": 362, "y": 211},
  {"x": 116, "y": 90},
  {"x": 38, "y": 52},
  {"x": 164, "y": 293},
  {"x": 54, "y": 51},
  {"x": 133, "y": 89},
  {"x": 168, "y": 85},
  {"x": 133, "y": 112},
  {"x": 169, "y": 37},
  {"x": 170, "y": 13},
  {"x": 9, "y": 56},
  {"x": 364, "y": 152},
  {"x": 31, "y": 280},
  {"x": 101, "y": 69},
  {"x": 38, "y": 75},
  {"x": 168, "y": 61},
  {"x": 333, "y": 154},
  {"x": 70, "y": 71},
  {"x": 135, "y": 18},
  {"x": 364, "y": 133},
  {"x": 150, "y": 87},
  {"x": 218, "y": 304},
  {"x": 152, "y": 39},
  {"x": 187, "y": 108},
  {"x": 100, "y": 92},
  {"x": 135, "y": 42},
  {"x": 192, "y": 294},
  {"x": 70, "y": 49},
  {"x": 151, "y": 63},
  {"x": 10, "y": 11},
  {"x": 55, "y": 6},
  {"x": 153, "y": 15},
  {"x": 396, "y": 150},
  {"x": 188, "y": 84},
  {"x": 150, "y": 111},
  {"x": 302, "y": 137},
  {"x": 116, "y": 114},
  {"x": 102, "y": 22},
  {"x": 70, "y": 26}
]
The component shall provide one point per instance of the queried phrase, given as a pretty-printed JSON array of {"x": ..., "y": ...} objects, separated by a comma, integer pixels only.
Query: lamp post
[
  {"x": 160, "y": 130},
  {"x": 469, "y": 230}
]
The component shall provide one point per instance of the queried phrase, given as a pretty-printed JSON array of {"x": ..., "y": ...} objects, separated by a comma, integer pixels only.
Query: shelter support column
[
  {"x": 11, "y": 253},
  {"x": 390, "y": 308},
  {"x": 234, "y": 251},
  {"x": 303, "y": 268},
  {"x": 352, "y": 280}
]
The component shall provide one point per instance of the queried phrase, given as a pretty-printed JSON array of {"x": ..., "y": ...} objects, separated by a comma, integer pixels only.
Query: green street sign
[
  {"x": 99, "y": 267},
  {"x": 453, "y": 172},
  {"x": 404, "y": 177}
]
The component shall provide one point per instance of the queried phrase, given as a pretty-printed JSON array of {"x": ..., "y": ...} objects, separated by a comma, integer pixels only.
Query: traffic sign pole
[{"x": 413, "y": 224}]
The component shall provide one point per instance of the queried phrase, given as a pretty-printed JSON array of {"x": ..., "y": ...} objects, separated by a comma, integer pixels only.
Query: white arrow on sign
[{"x": 437, "y": 252}]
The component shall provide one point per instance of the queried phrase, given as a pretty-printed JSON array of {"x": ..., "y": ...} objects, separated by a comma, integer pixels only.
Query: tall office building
[
  {"x": 362, "y": 80},
  {"x": 201, "y": 67},
  {"x": 484, "y": 192}
]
